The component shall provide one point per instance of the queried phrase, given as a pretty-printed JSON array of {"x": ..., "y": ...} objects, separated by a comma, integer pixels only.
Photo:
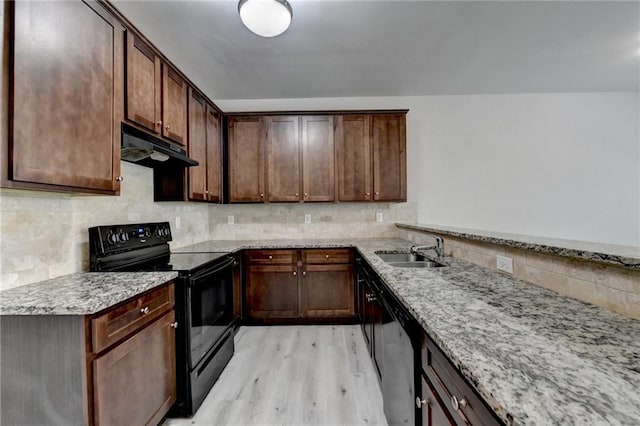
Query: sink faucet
[{"x": 438, "y": 248}]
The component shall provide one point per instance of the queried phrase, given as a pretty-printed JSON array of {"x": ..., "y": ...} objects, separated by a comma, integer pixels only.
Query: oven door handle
[{"x": 229, "y": 262}]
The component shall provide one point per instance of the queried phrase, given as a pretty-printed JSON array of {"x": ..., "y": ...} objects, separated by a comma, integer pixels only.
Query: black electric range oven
[{"x": 203, "y": 300}]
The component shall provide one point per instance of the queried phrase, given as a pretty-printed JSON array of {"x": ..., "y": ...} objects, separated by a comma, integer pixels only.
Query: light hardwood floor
[{"x": 294, "y": 375}]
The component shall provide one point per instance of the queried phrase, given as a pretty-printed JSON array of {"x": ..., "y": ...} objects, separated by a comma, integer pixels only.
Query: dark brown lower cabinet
[
  {"x": 116, "y": 367},
  {"x": 271, "y": 292},
  {"x": 135, "y": 382},
  {"x": 459, "y": 401},
  {"x": 433, "y": 413},
  {"x": 299, "y": 286},
  {"x": 327, "y": 291}
]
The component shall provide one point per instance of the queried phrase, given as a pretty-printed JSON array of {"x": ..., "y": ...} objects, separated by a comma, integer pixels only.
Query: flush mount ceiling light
[{"x": 266, "y": 18}]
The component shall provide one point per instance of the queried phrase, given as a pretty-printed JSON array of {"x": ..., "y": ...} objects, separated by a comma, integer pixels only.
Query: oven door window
[{"x": 210, "y": 310}]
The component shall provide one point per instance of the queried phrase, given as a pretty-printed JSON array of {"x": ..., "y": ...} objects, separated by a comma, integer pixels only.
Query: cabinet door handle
[
  {"x": 304, "y": 273},
  {"x": 119, "y": 179},
  {"x": 458, "y": 404},
  {"x": 367, "y": 194},
  {"x": 377, "y": 193},
  {"x": 261, "y": 195},
  {"x": 297, "y": 194},
  {"x": 295, "y": 273},
  {"x": 167, "y": 127},
  {"x": 420, "y": 402},
  {"x": 145, "y": 310},
  {"x": 174, "y": 324},
  {"x": 306, "y": 195},
  {"x": 159, "y": 123}
]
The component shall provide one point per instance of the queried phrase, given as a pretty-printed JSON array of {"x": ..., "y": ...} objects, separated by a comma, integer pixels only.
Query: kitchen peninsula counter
[
  {"x": 535, "y": 357},
  {"x": 79, "y": 294}
]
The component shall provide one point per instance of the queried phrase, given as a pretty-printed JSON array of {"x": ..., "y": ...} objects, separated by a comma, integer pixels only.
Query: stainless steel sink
[
  {"x": 408, "y": 260},
  {"x": 401, "y": 257},
  {"x": 416, "y": 264}
]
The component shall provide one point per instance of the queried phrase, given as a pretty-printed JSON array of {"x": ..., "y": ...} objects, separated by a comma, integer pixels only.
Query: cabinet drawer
[
  {"x": 271, "y": 257},
  {"x": 327, "y": 256},
  {"x": 451, "y": 387},
  {"x": 120, "y": 322}
]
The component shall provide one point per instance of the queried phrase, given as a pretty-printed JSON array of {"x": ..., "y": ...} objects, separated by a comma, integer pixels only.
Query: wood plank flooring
[{"x": 295, "y": 375}]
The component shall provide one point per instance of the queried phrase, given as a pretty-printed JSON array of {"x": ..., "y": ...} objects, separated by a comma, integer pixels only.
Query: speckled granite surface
[
  {"x": 536, "y": 357},
  {"x": 625, "y": 256},
  {"x": 79, "y": 294}
]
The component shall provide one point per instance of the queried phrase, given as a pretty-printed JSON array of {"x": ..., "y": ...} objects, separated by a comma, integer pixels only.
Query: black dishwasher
[{"x": 399, "y": 357}]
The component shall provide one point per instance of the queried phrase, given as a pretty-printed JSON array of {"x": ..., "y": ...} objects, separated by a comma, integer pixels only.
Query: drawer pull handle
[
  {"x": 458, "y": 404},
  {"x": 174, "y": 324},
  {"x": 145, "y": 310},
  {"x": 270, "y": 257},
  {"x": 326, "y": 256},
  {"x": 420, "y": 402}
]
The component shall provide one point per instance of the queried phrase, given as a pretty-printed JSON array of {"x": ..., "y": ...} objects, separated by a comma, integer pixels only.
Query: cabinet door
[
  {"x": 143, "y": 84},
  {"x": 135, "y": 382},
  {"x": 318, "y": 158},
  {"x": 67, "y": 100},
  {"x": 197, "y": 146},
  {"x": 174, "y": 106},
  {"x": 214, "y": 155},
  {"x": 283, "y": 158},
  {"x": 389, "y": 158},
  {"x": 246, "y": 159},
  {"x": 327, "y": 291},
  {"x": 354, "y": 158},
  {"x": 271, "y": 292},
  {"x": 433, "y": 414}
]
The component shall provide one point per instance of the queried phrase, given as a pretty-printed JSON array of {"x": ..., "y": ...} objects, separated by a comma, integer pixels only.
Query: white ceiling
[{"x": 400, "y": 48}]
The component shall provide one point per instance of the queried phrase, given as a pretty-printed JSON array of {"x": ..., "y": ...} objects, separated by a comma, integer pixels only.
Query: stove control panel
[{"x": 115, "y": 238}]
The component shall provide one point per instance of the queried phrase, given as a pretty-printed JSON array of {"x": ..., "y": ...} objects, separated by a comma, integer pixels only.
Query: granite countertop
[
  {"x": 625, "y": 256},
  {"x": 536, "y": 357},
  {"x": 79, "y": 294}
]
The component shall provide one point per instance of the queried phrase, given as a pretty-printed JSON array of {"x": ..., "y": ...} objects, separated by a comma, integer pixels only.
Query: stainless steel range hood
[{"x": 141, "y": 148}]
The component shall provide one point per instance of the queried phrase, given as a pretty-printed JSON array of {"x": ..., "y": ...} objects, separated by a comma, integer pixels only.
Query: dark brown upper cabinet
[
  {"x": 174, "y": 106},
  {"x": 388, "y": 146},
  {"x": 213, "y": 124},
  {"x": 318, "y": 158},
  {"x": 156, "y": 93},
  {"x": 283, "y": 158},
  {"x": 372, "y": 159},
  {"x": 299, "y": 158},
  {"x": 354, "y": 158},
  {"x": 66, "y": 100},
  {"x": 204, "y": 147},
  {"x": 144, "y": 88},
  {"x": 197, "y": 147},
  {"x": 246, "y": 159}
]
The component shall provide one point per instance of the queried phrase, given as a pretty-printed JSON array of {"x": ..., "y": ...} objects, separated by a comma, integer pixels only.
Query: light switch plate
[
  {"x": 307, "y": 218},
  {"x": 378, "y": 217},
  {"x": 231, "y": 219},
  {"x": 504, "y": 264},
  {"x": 178, "y": 224}
]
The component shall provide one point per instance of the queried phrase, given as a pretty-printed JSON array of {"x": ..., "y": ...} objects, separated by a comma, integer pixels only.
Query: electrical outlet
[
  {"x": 231, "y": 219},
  {"x": 379, "y": 217},
  {"x": 504, "y": 264},
  {"x": 178, "y": 224},
  {"x": 307, "y": 218}
]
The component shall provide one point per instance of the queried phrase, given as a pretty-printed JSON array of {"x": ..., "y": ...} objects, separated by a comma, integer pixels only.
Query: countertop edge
[{"x": 573, "y": 253}]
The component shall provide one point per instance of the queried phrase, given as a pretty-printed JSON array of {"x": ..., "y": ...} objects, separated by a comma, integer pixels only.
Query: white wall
[{"x": 561, "y": 165}]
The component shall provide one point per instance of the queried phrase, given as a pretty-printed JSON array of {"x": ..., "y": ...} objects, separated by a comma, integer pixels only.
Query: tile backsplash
[{"x": 44, "y": 235}]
